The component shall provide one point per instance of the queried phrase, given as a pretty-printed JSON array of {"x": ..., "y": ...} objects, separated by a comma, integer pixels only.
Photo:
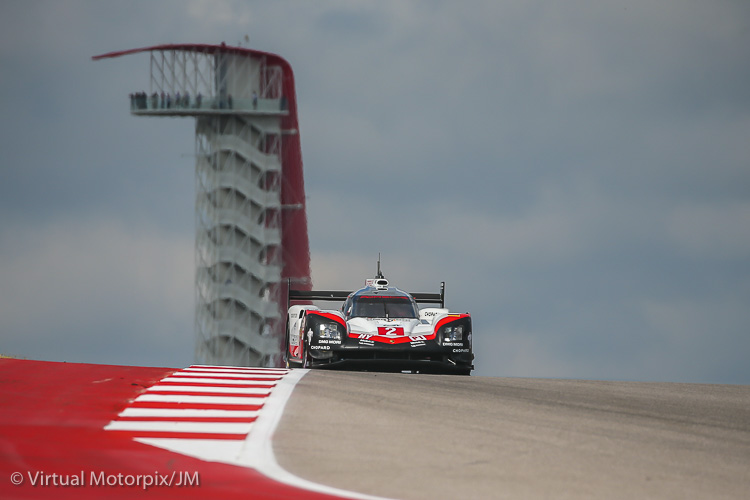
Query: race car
[{"x": 379, "y": 328}]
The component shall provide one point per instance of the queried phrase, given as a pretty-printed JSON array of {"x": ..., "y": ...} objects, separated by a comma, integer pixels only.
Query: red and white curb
[
  {"x": 205, "y": 412},
  {"x": 219, "y": 414}
]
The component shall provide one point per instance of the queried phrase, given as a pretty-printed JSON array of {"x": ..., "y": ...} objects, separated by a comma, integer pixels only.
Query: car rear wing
[
  {"x": 431, "y": 298},
  {"x": 337, "y": 295}
]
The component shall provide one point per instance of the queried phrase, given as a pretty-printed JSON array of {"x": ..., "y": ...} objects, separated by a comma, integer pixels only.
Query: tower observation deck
[{"x": 251, "y": 224}]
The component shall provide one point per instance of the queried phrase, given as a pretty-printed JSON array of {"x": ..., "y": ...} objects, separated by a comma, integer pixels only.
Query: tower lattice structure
[{"x": 251, "y": 226}]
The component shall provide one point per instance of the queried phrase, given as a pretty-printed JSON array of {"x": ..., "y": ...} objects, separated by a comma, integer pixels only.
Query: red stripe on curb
[
  {"x": 217, "y": 384},
  {"x": 179, "y": 435},
  {"x": 157, "y": 392},
  {"x": 195, "y": 406},
  {"x": 52, "y": 420},
  {"x": 186, "y": 419},
  {"x": 228, "y": 376},
  {"x": 238, "y": 369}
]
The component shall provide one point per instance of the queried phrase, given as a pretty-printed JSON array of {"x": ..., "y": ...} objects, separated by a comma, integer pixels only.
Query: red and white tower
[{"x": 251, "y": 224}]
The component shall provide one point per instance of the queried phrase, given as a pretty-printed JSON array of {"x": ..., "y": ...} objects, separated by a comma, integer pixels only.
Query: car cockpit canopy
[{"x": 381, "y": 306}]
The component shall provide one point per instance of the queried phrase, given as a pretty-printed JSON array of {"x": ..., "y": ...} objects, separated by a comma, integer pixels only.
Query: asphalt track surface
[
  {"x": 390, "y": 435},
  {"x": 433, "y": 436}
]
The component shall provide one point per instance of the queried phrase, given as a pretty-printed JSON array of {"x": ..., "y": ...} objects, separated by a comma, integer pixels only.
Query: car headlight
[
  {"x": 453, "y": 333},
  {"x": 329, "y": 331}
]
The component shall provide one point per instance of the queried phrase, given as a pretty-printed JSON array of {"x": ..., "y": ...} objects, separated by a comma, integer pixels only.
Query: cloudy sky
[{"x": 578, "y": 172}]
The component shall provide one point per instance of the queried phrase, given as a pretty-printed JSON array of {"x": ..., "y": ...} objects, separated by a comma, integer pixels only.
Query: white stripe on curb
[
  {"x": 166, "y": 426},
  {"x": 179, "y": 398},
  {"x": 203, "y": 388},
  {"x": 187, "y": 413},
  {"x": 255, "y": 451}
]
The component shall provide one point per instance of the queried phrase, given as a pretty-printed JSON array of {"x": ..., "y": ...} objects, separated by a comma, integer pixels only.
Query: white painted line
[
  {"x": 258, "y": 450},
  {"x": 194, "y": 380},
  {"x": 186, "y": 413},
  {"x": 201, "y": 388},
  {"x": 177, "y": 398},
  {"x": 255, "y": 451},
  {"x": 162, "y": 426}
]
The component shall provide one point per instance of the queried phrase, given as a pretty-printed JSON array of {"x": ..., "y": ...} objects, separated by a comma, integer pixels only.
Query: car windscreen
[{"x": 384, "y": 307}]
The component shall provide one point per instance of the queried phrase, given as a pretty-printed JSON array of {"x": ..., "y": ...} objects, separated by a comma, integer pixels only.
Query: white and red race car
[{"x": 378, "y": 327}]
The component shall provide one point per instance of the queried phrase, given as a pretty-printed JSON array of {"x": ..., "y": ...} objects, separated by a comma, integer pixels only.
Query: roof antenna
[{"x": 380, "y": 274}]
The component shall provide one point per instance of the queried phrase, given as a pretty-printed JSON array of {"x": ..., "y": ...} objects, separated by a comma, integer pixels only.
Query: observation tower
[{"x": 251, "y": 224}]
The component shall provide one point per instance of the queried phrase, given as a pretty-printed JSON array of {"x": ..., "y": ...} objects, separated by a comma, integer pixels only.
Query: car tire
[
  {"x": 306, "y": 358},
  {"x": 287, "y": 363}
]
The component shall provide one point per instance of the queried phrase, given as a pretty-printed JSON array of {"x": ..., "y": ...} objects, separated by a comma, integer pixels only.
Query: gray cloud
[
  {"x": 577, "y": 174},
  {"x": 89, "y": 289}
]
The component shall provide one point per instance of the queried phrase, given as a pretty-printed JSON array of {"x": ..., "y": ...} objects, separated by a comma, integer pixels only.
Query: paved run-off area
[{"x": 431, "y": 436}]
